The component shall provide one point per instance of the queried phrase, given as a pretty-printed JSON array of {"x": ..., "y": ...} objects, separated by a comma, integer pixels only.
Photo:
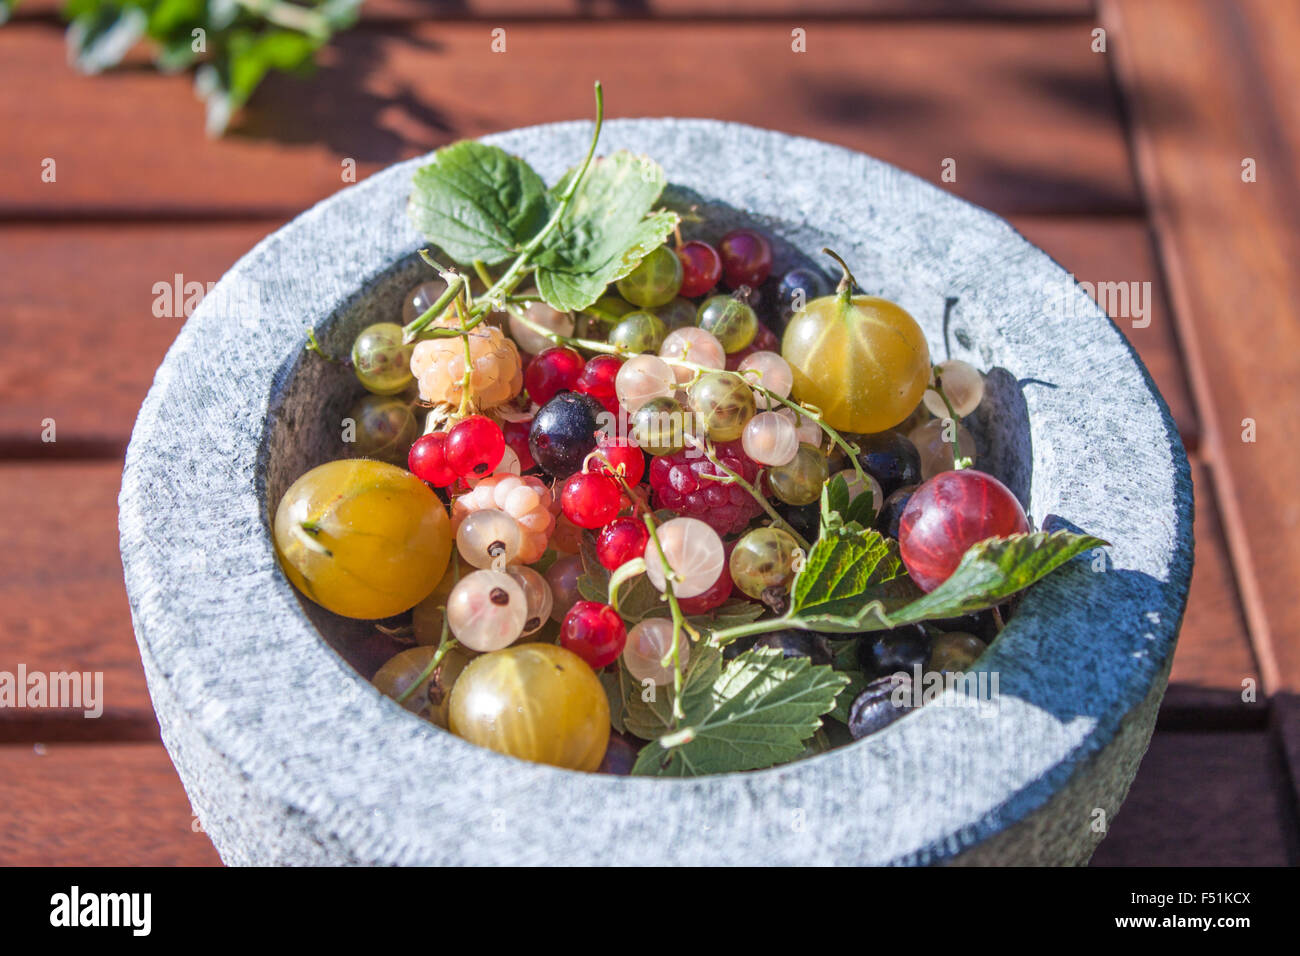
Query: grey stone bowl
[{"x": 290, "y": 756}]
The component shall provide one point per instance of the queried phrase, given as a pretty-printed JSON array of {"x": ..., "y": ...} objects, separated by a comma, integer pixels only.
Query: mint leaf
[
  {"x": 606, "y": 231},
  {"x": 989, "y": 573},
  {"x": 757, "y": 713},
  {"x": 478, "y": 202}
]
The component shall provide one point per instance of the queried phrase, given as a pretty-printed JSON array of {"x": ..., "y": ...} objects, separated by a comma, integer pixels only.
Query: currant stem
[
  {"x": 445, "y": 644},
  {"x": 711, "y": 454},
  {"x": 523, "y": 262},
  {"x": 959, "y": 461},
  {"x": 556, "y": 337},
  {"x": 679, "y": 619},
  {"x": 847, "y": 282}
]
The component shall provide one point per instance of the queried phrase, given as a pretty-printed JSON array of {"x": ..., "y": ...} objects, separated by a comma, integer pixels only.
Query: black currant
[
  {"x": 891, "y": 459},
  {"x": 876, "y": 707},
  {"x": 564, "y": 433},
  {"x": 882, "y": 653}
]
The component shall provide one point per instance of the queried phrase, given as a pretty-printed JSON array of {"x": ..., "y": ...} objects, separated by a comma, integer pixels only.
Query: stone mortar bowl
[{"x": 290, "y": 756}]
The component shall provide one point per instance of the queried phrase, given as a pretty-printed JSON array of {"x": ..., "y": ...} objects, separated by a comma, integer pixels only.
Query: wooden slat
[
  {"x": 1214, "y": 651},
  {"x": 1203, "y": 800},
  {"x": 96, "y": 805},
  {"x": 77, "y": 321},
  {"x": 1212, "y": 84},
  {"x": 1113, "y": 250},
  {"x": 61, "y": 589},
  {"x": 387, "y": 11},
  {"x": 1027, "y": 111}
]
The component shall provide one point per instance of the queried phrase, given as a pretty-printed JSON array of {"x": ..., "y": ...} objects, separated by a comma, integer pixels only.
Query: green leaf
[
  {"x": 636, "y": 601},
  {"x": 622, "y": 575},
  {"x": 729, "y": 613},
  {"x": 653, "y": 717},
  {"x": 757, "y": 713},
  {"x": 99, "y": 38},
  {"x": 835, "y": 501},
  {"x": 614, "y": 691},
  {"x": 847, "y": 568},
  {"x": 844, "y": 700},
  {"x": 989, "y": 573},
  {"x": 606, "y": 231},
  {"x": 478, "y": 202}
]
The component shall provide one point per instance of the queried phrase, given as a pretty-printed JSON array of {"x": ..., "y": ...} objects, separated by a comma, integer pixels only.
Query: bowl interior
[{"x": 313, "y": 396}]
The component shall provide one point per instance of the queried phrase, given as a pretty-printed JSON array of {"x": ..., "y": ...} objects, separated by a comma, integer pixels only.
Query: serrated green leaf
[
  {"x": 989, "y": 573},
  {"x": 861, "y": 511},
  {"x": 846, "y": 568},
  {"x": 650, "y": 719},
  {"x": 606, "y": 231},
  {"x": 758, "y": 713},
  {"x": 475, "y": 201},
  {"x": 574, "y": 291}
]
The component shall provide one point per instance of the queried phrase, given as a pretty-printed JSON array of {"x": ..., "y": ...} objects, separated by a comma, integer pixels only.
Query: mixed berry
[{"x": 576, "y": 508}]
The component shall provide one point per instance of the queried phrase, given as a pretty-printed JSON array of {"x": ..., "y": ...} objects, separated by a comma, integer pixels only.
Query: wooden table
[{"x": 1126, "y": 165}]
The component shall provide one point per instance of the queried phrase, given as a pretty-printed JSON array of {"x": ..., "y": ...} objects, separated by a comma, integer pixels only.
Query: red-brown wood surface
[
  {"x": 914, "y": 94},
  {"x": 96, "y": 805},
  {"x": 1008, "y": 88}
]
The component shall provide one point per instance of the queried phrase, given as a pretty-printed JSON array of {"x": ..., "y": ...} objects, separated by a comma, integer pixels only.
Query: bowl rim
[{"x": 201, "y": 611}]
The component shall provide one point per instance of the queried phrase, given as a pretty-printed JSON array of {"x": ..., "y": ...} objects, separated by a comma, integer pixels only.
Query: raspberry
[
  {"x": 678, "y": 486},
  {"x": 525, "y": 499},
  {"x": 497, "y": 376}
]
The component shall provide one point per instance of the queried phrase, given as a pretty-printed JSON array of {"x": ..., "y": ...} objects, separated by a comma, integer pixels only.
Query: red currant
[
  {"x": 621, "y": 451},
  {"x": 622, "y": 540},
  {"x": 428, "y": 460},
  {"x": 948, "y": 514},
  {"x": 516, "y": 436},
  {"x": 590, "y": 499},
  {"x": 701, "y": 268},
  {"x": 594, "y": 632},
  {"x": 746, "y": 258},
  {"x": 552, "y": 371},
  {"x": 475, "y": 446},
  {"x": 597, "y": 380}
]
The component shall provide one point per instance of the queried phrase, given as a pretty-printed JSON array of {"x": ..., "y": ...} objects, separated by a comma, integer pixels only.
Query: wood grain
[
  {"x": 1025, "y": 109},
  {"x": 1203, "y": 799},
  {"x": 98, "y": 805},
  {"x": 64, "y": 605},
  {"x": 388, "y": 11},
  {"x": 1210, "y": 85},
  {"x": 77, "y": 318}
]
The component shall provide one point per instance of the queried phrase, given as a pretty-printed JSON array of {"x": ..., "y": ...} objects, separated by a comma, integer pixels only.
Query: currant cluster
[{"x": 666, "y": 427}]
